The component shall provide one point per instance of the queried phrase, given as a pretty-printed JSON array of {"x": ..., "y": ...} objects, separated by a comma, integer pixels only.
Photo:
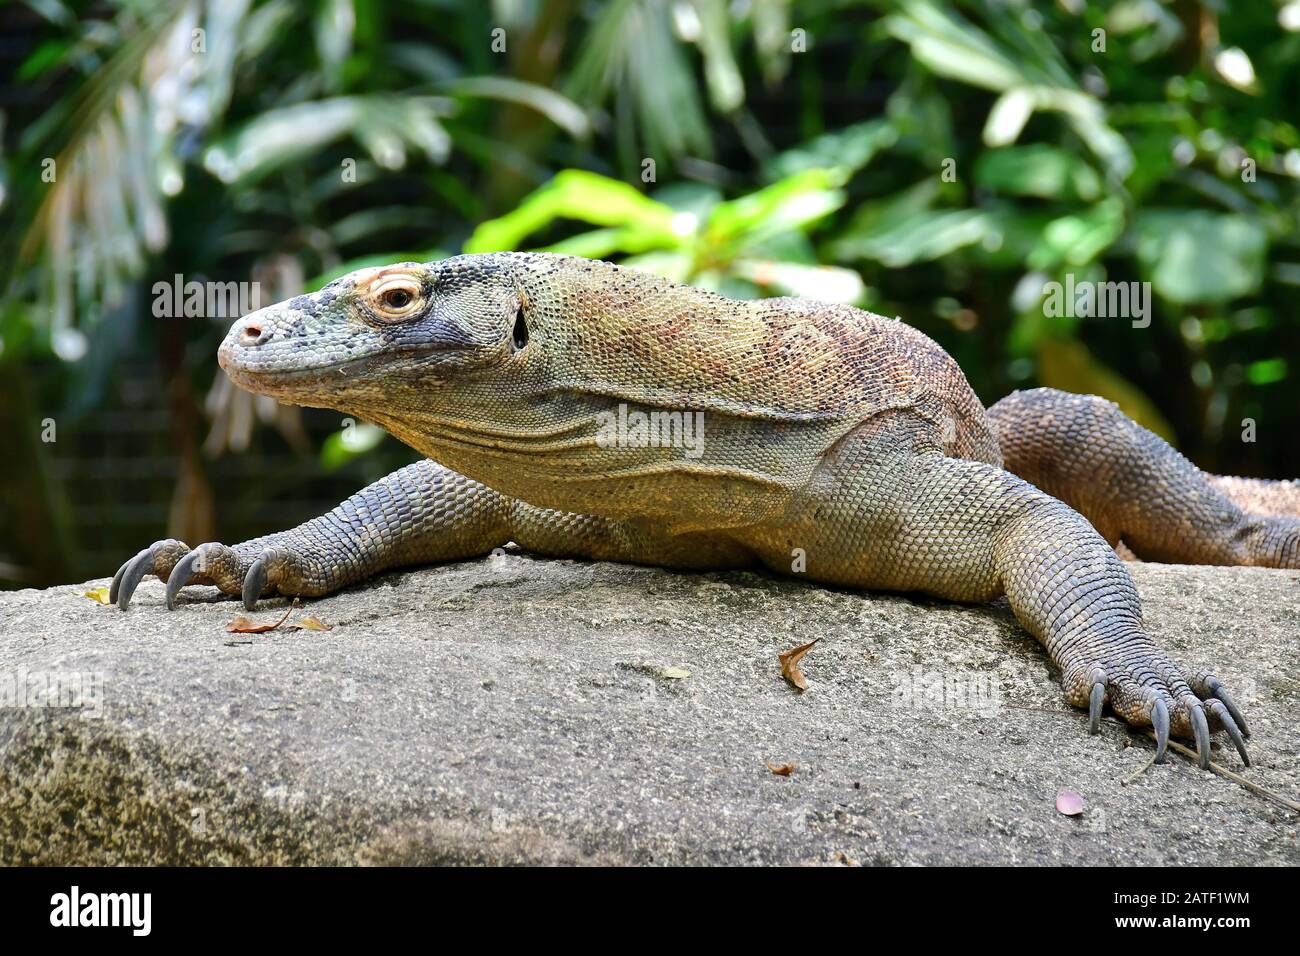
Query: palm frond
[{"x": 113, "y": 152}]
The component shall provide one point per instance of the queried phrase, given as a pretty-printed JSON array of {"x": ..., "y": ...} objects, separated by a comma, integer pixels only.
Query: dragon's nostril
[{"x": 252, "y": 335}]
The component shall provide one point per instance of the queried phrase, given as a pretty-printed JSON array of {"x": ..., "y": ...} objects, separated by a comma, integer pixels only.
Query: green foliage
[
  {"x": 1196, "y": 256},
  {"x": 748, "y": 245}
]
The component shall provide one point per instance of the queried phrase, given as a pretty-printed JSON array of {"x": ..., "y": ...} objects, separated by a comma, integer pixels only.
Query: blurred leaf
[
  {"x": 349, "y": 443},
  {"x": 111, "y": 140},
  {"x": 586, "y": 197},
  {"x": 875, "y": 216},
  {"x": 952, "y": 47},
  {"x": 424, "y": 61},
  {"x": 1079, "y": 238},
  {"x": 922, "y": 117},
  {"x": 383, "y": 124},
  {"x": 44, "y": 58},
  {"x": 1048, "y": 172},
  {"x": 698, "y": 199},
  {"x": 791, "y": 203},
  {"x": 334, "y": 22},
  {"x": 1008, "y": 117},
  {"x": 1266, "y": 372},
  {"x": 556, "y": 107},
  {"x": 850, "y": 149},
  {"x": 677, "y": 266},
  {"x": 632, "y": 56},
  {"x": 826, "y": 283},
  {"x": 918, "y": 237},
  {"x": 606, "y": 243},
  {"x": 772, "y": 37},
  {"x": 1156, "y": 28},
  {"x": 1191, "y": 255},
  {"x": 1013, "y": 235},
  {"x": 726, "y": 88}
]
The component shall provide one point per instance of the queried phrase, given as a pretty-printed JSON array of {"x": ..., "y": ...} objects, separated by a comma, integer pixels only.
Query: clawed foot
[
  {"x": 1146, "y": 689},
  {"x": 233, "y": 571}
]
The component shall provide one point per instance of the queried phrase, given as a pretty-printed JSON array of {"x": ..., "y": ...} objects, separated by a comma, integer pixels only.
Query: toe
[
  {"x": 158, "y": 558},
  {"x": 1160, "y": 721},
  {"x": 254, "y": 584}
]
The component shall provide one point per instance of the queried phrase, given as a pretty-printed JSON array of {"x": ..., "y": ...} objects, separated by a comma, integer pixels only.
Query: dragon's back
[{"x": 648, "y": 340}]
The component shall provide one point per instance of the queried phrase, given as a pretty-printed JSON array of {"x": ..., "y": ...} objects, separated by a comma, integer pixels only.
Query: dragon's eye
[{"x": 395, "y": 297}]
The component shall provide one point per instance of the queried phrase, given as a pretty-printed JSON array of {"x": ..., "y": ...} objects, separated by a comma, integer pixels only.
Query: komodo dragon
[{"x": 828, "y": 432}]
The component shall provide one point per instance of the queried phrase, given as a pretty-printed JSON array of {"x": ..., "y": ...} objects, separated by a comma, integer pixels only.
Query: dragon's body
[{"x": 586, "y": 410}]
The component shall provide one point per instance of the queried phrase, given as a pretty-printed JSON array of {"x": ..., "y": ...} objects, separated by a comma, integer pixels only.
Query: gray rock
[{"x": 520, "y": 710}]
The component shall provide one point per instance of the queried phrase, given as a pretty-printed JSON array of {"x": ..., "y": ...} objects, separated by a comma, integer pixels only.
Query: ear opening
[{"x": 519, "y": 334}]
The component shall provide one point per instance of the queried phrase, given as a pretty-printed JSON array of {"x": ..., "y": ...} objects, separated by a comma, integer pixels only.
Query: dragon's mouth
[{"x": 287, "y": 376}]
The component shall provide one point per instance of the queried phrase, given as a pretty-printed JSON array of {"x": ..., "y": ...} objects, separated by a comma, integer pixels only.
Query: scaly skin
[
  {"x": 835, "y": 443},
  {"x": 1135, "y": 488}
]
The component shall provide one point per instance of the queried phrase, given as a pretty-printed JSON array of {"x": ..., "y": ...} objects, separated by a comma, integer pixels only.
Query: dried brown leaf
[
  {"x": 790, "y": 664},
  {"x": 784, "y": 770},
  {"x": 242, "y": 625}
]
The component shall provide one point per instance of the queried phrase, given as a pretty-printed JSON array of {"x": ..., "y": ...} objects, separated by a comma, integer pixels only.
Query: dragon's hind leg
[{"x": 1135, "y": 488}]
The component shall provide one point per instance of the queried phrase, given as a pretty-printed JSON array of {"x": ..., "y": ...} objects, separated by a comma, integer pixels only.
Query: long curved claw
[
  {"x": 180, "y": 577},
  {"x": 1095, "y": 700},
  {"x": 1201, "y": 728},
  {"x": 254, "y": 581},
  {"x": 1219, "y": 692},
  {"x": 1220, "y": 710},
  {"x": 1160, "y": 721},
  {"x": 117, "y": 581},
  {"x": 129, "y": 576}
]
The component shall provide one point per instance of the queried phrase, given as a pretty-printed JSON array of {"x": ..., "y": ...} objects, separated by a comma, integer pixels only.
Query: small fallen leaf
[
  {"x": 676, "y": 673},
  {"x": 784, "y": 770},
  {"x": 1069, "y": 802},
  {"x": 845, "y": 859},
  {"x": 313, "y": 623},
  {"x": 242, "y": 625},
  {"x": 790, "y": 664},
  {"x": 97, "y": 594}
]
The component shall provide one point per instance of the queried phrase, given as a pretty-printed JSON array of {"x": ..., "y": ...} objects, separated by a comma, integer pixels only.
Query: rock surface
[{"x": 524, "y": 710}]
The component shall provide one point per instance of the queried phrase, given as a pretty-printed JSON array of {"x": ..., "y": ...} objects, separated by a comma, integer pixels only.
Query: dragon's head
[{"x": 378, "y": 336}]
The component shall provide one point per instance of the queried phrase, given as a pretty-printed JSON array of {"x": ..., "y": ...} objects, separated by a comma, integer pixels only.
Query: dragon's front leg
[
  {"x": 418, "y": 514},
  {"x": 889, "y": 510}
]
